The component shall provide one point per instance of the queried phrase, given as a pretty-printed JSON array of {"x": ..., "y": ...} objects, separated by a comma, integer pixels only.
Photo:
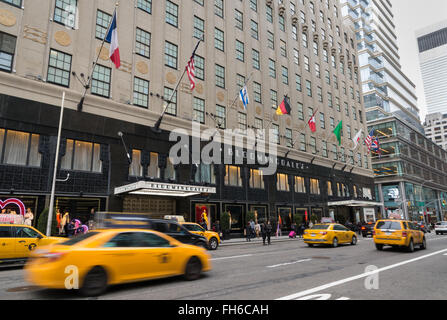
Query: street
[{"x": 285, "y": 270}]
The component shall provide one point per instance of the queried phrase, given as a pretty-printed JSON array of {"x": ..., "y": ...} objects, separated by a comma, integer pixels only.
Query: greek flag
[{"x": 244, "y": 97}]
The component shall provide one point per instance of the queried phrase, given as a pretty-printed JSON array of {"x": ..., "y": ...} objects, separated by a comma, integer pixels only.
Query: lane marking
[
  {"x": 233, "y": 257},
  {"x": 360, "y": 276},
  {"x": 288, "y": 263}
]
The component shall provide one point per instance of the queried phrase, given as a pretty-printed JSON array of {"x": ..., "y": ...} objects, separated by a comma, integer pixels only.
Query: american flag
[
  {"x": 191, "y": 72},
  {"x": 369, "y": 140}
]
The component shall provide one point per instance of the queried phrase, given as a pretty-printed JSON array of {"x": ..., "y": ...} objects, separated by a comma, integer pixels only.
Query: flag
[
  {"x": 312, "y": 123},
  {"x": 284, "y": 107},
  {"x": 375, "y": 145},
  {"x": 369, "y": 140},
  {"x": 357, "y": 138},
  {"x": 337, "y": 132},
  {"x": 243, "y": 94},
  {"x": 190, "y": 69},
  {"x": 112, "y": 38}
]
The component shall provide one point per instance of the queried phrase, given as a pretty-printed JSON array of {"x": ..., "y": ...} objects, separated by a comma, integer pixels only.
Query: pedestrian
[
  {"x": 29, "y": 216},
  {"x": 257, "y": 229},
  {"x": 311, "y": 224},
  {"x": 268, "y": 231},
  {"x": 91, "y": 219},
  {"x": 65, "y": 221},
  {"x": 263, "y": 232},
  {"x": 300, "y": 230},
  {"x": 70, "y": 229},
  {"x": 252, "y": 229},
  {"x": 247, "y": 232},
  {"x": 359, "y": 227}
]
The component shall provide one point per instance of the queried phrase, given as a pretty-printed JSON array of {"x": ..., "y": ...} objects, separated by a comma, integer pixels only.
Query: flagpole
[
  {"x": 90, "y": 78},
  {"x": 156, "y": 127},
  {"x": 56, "y": 160}
]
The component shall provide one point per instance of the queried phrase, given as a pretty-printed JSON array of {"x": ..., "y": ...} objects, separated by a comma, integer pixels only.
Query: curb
[{"x": 239, "y": 243}]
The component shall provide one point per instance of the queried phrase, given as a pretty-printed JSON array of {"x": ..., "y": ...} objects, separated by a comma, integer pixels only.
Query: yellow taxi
[
  {"x": 398, "y": 233},
  {"x": 93, "y": 261},
  {"x": 331, "y": 233},
  {"x": 212, "y": 237},
  {"x": 17, "y": 242}
]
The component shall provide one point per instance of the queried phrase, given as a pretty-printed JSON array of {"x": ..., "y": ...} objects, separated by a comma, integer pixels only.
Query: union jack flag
[{"x": 369, "y": 140}]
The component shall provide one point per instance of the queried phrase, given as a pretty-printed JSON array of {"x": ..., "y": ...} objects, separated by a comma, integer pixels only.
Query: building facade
[
  {"x": 294, "y": 48},
  {"x": 432, "y": 44},
  {"x": 410, "y": 172},
  {"x": 436, "y": 128}
]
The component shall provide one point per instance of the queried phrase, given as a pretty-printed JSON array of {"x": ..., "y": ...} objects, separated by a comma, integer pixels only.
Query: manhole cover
[
  {"x": 22, "y": 289},
  {"x": 321, "y": 258}
]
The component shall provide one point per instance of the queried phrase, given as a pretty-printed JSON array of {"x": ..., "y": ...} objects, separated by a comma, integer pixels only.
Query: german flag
[{"x": 284, "y": 107}]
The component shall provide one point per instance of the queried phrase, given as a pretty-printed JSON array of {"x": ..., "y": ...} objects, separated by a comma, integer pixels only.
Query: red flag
[
  {"x": 312, "y": 123},
  {"x": 191, "y": 73}
]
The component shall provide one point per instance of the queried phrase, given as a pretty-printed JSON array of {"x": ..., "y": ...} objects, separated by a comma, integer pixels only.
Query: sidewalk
[{"x": 242, "y": 241}]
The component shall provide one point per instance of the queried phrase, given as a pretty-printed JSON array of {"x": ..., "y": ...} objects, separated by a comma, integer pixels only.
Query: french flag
[{"x": 112, "y": 38}]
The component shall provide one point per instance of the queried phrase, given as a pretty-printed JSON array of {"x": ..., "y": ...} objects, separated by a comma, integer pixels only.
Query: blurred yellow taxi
[
  {"x": 398, "y": 233},
  {"x": 212, "y": 237},
  {"x": 108, "y": 257},
  {"x": 17, "y": 242},
  {"x": 331, "y": 233}
]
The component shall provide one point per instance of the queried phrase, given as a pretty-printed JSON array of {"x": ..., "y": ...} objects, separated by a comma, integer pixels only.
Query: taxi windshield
[
  {"x": 78, "y": 239},
  {"x": 320, "y": 227},
  {"x": 193, "y": 227}
]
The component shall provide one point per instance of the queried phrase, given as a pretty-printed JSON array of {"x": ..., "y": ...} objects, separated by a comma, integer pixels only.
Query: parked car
[
  {"x": 441, "y": 227},
  {"x": 18, "y": 241}
]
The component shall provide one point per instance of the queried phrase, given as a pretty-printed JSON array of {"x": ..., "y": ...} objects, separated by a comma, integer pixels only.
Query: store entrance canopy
[
  {"x": 150, "y": 188},
  {"x": 354, "y": 203}
]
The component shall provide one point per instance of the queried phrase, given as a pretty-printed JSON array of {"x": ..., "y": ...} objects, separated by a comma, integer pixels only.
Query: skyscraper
[{"x": 432, "y": 44}]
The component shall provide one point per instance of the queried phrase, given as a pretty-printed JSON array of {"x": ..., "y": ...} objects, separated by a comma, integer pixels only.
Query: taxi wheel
[
  {"x": 379, "y": 247},
  {"x": 310, "y": 245},
  {"x": 354, "y": 240},
  {"x": 335, "y": 242},
  {"x": 410, "y": 247},
  {"x": 193, "y": 269},
  {"x": 213, "y": 243},
  {"x": 95, "y": 282},
  {"x": 423, "y": 244}
]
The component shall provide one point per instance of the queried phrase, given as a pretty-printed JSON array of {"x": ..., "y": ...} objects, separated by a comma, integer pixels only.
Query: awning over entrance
[
  {"x": 163, "y": 189},
  {"x": 354, "y": 203}
]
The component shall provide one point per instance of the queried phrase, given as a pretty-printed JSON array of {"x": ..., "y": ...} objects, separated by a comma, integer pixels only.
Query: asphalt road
[{"x": 285, "y": 270}]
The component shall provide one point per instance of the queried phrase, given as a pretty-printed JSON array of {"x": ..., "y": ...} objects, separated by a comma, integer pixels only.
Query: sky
[{"x": 409, "y": 16}]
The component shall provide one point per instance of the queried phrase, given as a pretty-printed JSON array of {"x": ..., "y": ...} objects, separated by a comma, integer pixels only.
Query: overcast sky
[{"x": 409, "y": 16}]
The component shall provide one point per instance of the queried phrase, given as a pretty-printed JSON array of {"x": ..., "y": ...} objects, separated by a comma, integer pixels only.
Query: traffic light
[{"x": 444, "y": 203}]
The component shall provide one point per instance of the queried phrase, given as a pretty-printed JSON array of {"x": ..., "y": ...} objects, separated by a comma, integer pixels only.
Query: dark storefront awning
[
  {"x": 150, "y": 188},
  {"x": 354, "y": 203}
]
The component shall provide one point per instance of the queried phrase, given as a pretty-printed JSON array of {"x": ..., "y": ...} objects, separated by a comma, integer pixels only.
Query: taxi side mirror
[{"x": 39, "y": 236}]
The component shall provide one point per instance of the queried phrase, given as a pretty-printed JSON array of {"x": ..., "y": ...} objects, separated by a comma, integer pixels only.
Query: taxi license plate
[
  {"x": 388, "y": 233},
  {"x": 313, "y": 235}
]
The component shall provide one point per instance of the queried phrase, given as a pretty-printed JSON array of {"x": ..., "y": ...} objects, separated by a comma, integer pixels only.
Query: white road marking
[
  {"x": 445, "y": 254},
  {"x": 363, "y": 275},
  {"x": 288, "y": 263},
  {"x": 344, "y": 298},
  {"x": 233, "y": 257}
]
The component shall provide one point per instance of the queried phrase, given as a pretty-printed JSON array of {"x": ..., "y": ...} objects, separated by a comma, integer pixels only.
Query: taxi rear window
[
  {"x": 78, "y": 239},
  {"x": 392, "y": 225},
  {"x": 320, "y": 227}
]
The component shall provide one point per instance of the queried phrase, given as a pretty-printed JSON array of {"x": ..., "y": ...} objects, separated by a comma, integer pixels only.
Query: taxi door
[
  {"x": 6, "y": 243},
  {"x": 340, "y": 233},
  {"x": 415, "y": 233},
  {"x": 26, "y": 240}
]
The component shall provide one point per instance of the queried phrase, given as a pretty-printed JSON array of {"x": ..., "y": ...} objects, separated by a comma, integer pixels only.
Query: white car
[{"x": 441, "y": 227}]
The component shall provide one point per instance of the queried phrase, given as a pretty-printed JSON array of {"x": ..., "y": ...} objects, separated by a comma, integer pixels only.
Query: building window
[
  {"x": 282, "y": 182},
  {"x": 324, "y": 149},
  {"x": 275, "y": 132},
  {"x": 172, "y": 108},
  {"x": 172, "y": 13},
  {"x": 17, "y": 3},
  {"x": 300, "y": 185},
  {"x": 303, "y": 142},
  {"x": 242, "y": 121},
  {"x": 254, "y": 30},
  {"x": 143, "y": 43},
  {"x": 198, "y": 113},
  {"x": 101, "y": 81},
  {"x": 145, "y": 5},
  {"x": 272, "y": 68},
  {"x": 221, "y": 116},
  {"x": 240, "y": 50},
  {"x": 256, "y": 179},
  {"x": 257, "y": 92},
  {"x": 7, "y": 51},
  {"x": 220, "y": 76},
  {"x": 199, "y": 28},
  {"x": 199, "y": 65},
  {"x": 315, "y": 186},
  {"x": 141, "y": 92},
  {"x": 233, "y": 176},
  {"x": 153, "y": 169},
  {"x": 256, "y": 59},
  {"x": 59, "y": 68},
  {"x": 205, "y": 174},
  {"x": 171, "y": 52},
  {"x": 135, "y": 168},
  {"x": 219, "y": 39},
  {"x": 300, "y": 111},
  {"x": 219, "y": 8},
  {"x": 19, "y": 148},
  {"x": 170, "y": 173},
  {"x": 239, "y": 16},
  {"x": 65, "y": 12},
  {"x": 102, "y": 24},
  {"x": 289, "y": 138},
  {"x": 274, "y": 99},
  {"x": 330, "y": 192},
  {"x": 82, "y": 156}
]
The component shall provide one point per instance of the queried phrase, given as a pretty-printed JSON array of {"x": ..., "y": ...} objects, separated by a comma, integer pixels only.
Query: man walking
[
  {"x": 268, "y": 231},
  {"x": 263, "y": 232}
]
